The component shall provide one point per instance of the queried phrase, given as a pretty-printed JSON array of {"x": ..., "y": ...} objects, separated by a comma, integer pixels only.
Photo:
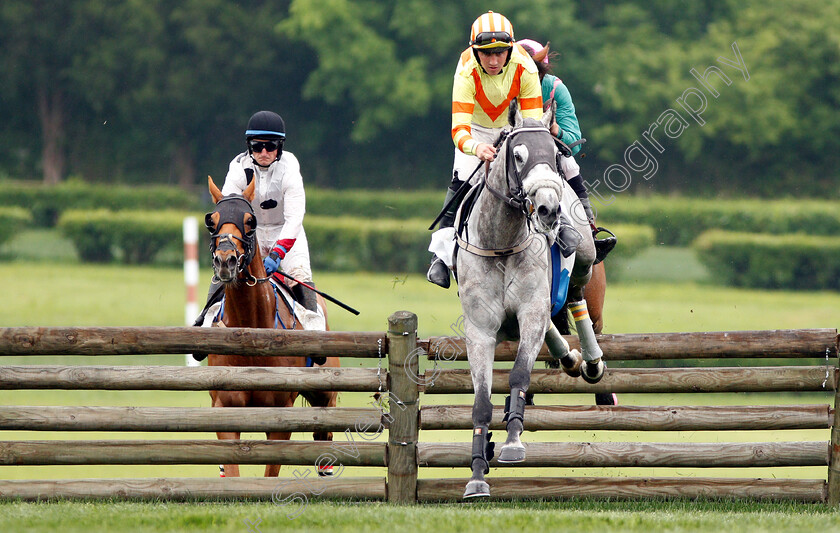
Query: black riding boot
[
  {"x": 438, "y": 271},
  {"x": 214, "y": 294},
  {"x": 309, "y": 300},
  {"x": 602, "y": 246}
]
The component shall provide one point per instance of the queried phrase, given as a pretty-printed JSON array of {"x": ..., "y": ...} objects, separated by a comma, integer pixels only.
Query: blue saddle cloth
[{"x": 559, "y": 280}]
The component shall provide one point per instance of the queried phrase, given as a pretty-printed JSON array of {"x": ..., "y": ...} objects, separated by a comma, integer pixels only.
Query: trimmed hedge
[
  {"x": 793, "y": 261},
  {"x": 632, "y": 240},
  {"x": 678, "y": 221},
  {"x": 349, "y": 244},
  {"x": 362, "y": 203},
  {"x": 136, "y": 237},
  {"x": 49, "y": 202},
  {"x": 12, "y": 220},
  {"x": 342, "y": 244}
]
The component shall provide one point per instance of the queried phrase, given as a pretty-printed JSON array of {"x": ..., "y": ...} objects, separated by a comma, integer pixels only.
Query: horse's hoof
[
  {"x": 571, "y": 363},
  {"x": 606, "y": 398},
  {"x": 324, "y": 471},
  {"x": 592, "y": 372},
  {"x": 477, "y": 489},
  {"x": 512, "y": 454}
]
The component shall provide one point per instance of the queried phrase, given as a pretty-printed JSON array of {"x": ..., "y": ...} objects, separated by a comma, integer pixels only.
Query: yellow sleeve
[
  {"x": 463, "y": 105},
  {"x": 530, "y": 95}
]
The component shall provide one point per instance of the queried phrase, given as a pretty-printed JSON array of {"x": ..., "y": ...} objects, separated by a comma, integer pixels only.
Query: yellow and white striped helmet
[{"x": 491, "y": 30}]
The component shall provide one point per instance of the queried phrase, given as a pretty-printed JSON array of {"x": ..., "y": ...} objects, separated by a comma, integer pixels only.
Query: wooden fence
[{"x": 813, "y": 351}]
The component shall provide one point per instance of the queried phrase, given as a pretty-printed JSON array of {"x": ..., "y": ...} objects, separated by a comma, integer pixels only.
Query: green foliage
[
  {"x": 632, "y": 239},
  {"x": 12, "y": 220},
  {"x": 374, "y": 204},
  {"x": 794, "y": 261},
  {"x": 159, "y": 91},
  {"x": 350, "y": 244},
  {"x": 678, "y": 221},
  {"x": 48, "y": 202},
  {"x": 135, "y": 236}
]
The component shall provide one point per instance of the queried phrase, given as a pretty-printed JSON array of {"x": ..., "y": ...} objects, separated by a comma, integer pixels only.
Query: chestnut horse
[{"x": 250, "y": 302}]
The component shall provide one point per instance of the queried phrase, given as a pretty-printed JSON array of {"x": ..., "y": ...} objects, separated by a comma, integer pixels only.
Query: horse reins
[{"x": 515, "y": 198}]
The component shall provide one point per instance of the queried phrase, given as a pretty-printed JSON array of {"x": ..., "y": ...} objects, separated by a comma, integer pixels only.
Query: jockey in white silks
[
  {"x": 279, "y": 204},
  {"x": 490, "y": 74}
]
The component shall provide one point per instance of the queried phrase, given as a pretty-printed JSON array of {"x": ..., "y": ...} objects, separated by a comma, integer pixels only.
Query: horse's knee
[
  {"x": 482, "y": 411},
  {"x": 520, "y": 378}
]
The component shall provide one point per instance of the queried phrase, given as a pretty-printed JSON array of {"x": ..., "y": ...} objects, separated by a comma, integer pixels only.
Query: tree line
[{"x": 732, "y": 97}]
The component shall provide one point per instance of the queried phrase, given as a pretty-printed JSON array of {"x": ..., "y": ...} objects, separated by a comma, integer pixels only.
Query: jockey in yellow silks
[{"x": 490, "y": 74}]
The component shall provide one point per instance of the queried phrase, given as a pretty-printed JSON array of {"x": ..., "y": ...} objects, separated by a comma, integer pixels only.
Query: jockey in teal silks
[{"x": 567, "y": 129}]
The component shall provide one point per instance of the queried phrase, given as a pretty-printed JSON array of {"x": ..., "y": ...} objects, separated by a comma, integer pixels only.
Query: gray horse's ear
[
  {"x": 514, "y": 115},
  {"x": 549, "y": 115}
]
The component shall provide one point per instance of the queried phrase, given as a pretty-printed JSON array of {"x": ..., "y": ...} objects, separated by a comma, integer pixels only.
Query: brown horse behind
[{"x": 250, "y": 303}]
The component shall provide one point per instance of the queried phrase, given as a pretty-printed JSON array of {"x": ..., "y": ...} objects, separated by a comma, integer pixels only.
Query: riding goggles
[
  {"x": 258, "y": 146},
  {"x": 492, "y": 39}
]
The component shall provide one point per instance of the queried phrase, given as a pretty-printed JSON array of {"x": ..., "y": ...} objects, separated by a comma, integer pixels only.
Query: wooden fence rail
[
  {"x": 511, "y": 488},
  {"x": 280, "y": 491},
  {"x": 182, "y": 419},
  {"x": 639, "y": 418},
  {"x": 651, "y": 380},
  {"x": 636, "y": 454},
  {"x": 191, "y": 378},
  {"x": 403, "y": 383},
  {"x": 799, "y": 343},
  {"x": 178, "y": 452},
  {"x": 172, "y": 340}
]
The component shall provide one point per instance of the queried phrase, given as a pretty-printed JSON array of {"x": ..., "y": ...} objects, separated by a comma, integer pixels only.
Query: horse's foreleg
[
  {"x": 274, "y": 470},
  {"x": 325, "y": 399},
  {"x": 481, "y": 368},
  {"x": 530, "y": 341},
  {"x": 219, "y": 401}
]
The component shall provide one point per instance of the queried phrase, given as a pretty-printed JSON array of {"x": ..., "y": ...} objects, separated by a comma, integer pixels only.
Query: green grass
[{"x": 575, "y": 515}]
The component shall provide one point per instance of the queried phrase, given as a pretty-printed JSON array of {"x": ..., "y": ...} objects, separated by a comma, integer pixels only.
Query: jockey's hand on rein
[
  {"x": 485, "y": 152},
  {"x": 272, "y": 263}
]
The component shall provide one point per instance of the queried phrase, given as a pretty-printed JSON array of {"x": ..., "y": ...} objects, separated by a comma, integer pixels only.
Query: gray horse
[{"x": 504, "y": 280}]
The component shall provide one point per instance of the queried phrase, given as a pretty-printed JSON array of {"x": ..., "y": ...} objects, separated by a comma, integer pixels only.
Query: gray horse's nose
[{"x": 548, "y": 216}]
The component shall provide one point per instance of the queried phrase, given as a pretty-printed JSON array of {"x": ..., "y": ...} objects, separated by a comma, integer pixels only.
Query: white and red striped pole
[{"x": 191, "y": 275}]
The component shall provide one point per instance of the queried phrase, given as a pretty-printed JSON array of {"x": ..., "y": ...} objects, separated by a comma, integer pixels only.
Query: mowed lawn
[{"x": 40, "y": 294}]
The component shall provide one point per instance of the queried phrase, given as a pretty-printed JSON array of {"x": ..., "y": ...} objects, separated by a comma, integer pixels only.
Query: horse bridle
[
  {"x": 516, "y": 197},
  {"x": 229, "y": 214}
]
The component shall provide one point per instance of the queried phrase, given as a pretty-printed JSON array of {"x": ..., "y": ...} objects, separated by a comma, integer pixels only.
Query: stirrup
[
  {"x": 603, "y": 246},
  {"x": 438, "y": 273}
]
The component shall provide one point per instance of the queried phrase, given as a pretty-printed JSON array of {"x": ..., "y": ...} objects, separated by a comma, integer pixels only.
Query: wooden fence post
[
  {"x": 403, "y": 376},
  {"x": 834, "y": 448}
]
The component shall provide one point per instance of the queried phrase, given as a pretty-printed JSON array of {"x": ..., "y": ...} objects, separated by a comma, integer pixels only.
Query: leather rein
[{"x": 514, "y": 197}]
